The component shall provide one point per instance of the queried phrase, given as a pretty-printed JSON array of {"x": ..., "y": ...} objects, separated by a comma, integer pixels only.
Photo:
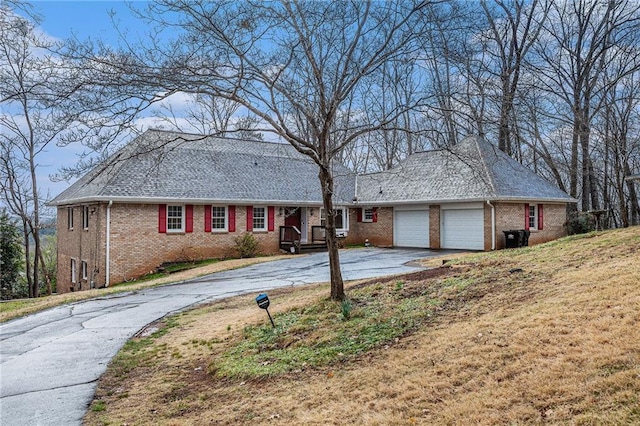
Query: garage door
[
  {"x": 463, "y": 229},
  {"x": 411, "y": 228}
]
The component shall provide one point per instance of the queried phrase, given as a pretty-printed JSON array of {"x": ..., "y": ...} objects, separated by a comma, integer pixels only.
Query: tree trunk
[
  {"x": 573, "y": 168},
  {"x": 326, "y": 181}
]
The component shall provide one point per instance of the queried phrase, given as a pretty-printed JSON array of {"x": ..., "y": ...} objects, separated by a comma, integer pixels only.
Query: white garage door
[
  {"x": 463, "y": 229},
  {"x": 411, "y": 228}
]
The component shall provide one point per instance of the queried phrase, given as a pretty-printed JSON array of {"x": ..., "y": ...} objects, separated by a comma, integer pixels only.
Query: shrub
[
  {"x": 580, "y": 223},
  {"x": 247, "y": 245}
]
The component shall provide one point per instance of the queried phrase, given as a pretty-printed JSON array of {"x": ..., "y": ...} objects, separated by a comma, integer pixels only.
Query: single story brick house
[{"x": 170, "y": 197}]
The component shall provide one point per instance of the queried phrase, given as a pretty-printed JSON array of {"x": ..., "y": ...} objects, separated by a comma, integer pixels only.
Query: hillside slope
[{"x": 542, "y": 335}]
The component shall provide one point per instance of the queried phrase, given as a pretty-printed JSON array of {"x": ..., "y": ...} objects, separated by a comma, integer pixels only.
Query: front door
[{"x": 292, "y": 217}]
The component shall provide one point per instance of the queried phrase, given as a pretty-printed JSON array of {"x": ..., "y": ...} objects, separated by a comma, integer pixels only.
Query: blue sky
[
  {"x": 81, "y": 19},
  {"x": 84, "y": 18}
]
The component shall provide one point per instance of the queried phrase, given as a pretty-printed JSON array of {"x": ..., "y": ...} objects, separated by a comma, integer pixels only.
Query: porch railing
[
  {"x": 318, "y": 234},
  {"x": 290, "y": 238}
]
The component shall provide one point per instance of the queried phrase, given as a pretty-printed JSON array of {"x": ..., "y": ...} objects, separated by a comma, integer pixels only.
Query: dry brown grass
[
  {"x": 18, "y": 308},
  {"x": 557, "y": 343}
]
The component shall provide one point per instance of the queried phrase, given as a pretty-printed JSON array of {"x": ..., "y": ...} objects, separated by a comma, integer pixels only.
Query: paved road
[{"x": 50, "y": 361}]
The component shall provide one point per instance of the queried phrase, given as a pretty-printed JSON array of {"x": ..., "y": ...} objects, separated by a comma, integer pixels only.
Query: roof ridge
[
  {"x": 203, "y": 136},
  {"x": 478, "y": 139}
]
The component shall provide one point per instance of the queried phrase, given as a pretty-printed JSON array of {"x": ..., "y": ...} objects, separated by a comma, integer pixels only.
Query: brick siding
[
  {"x": 379, "y": 234},
  {"x": 434, "y": 226},
  {"x": 136, "y": 246},
  {"x": 511, "y": 216},
  {"x": 82, "y": 245}
]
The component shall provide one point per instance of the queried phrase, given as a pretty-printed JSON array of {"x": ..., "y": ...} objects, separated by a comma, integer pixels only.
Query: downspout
[
  {"x": 107, "y": 261},
  {"x": 493, "y": 225},
  {"x": 355, "y": 195}
]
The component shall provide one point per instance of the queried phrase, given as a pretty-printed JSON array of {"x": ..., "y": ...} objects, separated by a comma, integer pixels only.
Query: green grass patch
[
  {"x": 172, "y": 268},
  {"x": 143, "y": 351},
  {"x": 327, "y": 332}
]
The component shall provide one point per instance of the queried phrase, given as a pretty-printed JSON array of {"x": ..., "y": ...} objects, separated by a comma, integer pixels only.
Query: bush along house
[{"x": 169, "y": 197}]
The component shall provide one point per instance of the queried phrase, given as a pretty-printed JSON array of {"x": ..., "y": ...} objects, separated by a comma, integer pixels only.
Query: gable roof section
[
  {"x": 472, "y": 170},
  {"x": 161, "y": 166}
]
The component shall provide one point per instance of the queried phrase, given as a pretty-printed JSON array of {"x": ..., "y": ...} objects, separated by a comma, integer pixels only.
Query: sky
[{"x": 82, "y": 19}]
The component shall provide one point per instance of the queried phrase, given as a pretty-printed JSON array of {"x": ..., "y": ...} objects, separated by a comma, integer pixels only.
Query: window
[
  {"x": 367, "y": 215},
  {"x": 259, "y": 219},
  {"x": 219, "y": 218},
  {"x": 73, "y": 270},
  {"x": 533, "y": 216},
  {"x": 175, "y": 218},
  {"x": 70, "y": 218},
  {"x": 83, "y": 270},
  {"x": 85, "y": 217},
  {"x": 341, "y": 218}
]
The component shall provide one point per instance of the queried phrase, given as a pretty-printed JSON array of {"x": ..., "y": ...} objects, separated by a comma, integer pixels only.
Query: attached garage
[
  {"x": 411, "y": 227},
  {"x": 462, "y": 227}
]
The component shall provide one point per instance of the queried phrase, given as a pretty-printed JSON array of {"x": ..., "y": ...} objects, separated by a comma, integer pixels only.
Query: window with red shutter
[
  {"x": 271, "y": 219},
  {"x": 188, "y": 218},
  {"x": 249, "y": 218},
  {"x": 540, "y": 217},
  {"x": 207, "y": 218},
  {"x": 232, "y": 218},
  {"x": 162, "y": 218}
]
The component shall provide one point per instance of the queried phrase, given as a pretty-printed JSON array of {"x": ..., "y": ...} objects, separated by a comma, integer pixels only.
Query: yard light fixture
[{"x": 263, "y": 303}]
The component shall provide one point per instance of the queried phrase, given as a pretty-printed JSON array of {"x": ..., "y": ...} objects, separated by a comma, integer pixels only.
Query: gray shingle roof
[
  {"x": 472, "y": 170},
  {"x": 166, "y": 166}
]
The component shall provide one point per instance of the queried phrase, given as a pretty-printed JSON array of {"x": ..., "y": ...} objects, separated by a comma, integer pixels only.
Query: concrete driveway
[{"x": 50, "y": 361}]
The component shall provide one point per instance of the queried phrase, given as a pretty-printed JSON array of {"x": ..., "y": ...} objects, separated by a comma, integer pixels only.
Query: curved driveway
[{"x": 50, "y": 361}]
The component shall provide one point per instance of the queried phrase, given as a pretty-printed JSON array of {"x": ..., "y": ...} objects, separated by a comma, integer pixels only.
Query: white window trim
[
  {"x": 364, "y": 214},
  {"x": 226, "y": 219},
  {"x": 70, "y": 218},
  {"x": 535, "y": 216},
  {"x": 345, "y": 218},
  {"x": 73, "y": 271},
  {"x": 266, "y": 219},
  {"x": 85, "y": 217},
  {"x": 84, "y": 269},
  {"x": 183, "y": 219}
]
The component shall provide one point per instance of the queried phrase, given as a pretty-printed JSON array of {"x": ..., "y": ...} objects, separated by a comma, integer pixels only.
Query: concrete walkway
[{"x": 50, "y": 361}]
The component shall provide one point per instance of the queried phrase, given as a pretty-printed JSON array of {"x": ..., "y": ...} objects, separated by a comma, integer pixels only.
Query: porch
[{"x": 291, "y": 240}]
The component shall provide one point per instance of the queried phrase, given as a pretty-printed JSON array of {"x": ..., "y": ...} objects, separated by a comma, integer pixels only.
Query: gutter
[
  {"x": 493, "y": 225},
  {"x": 108, "y": 240}
]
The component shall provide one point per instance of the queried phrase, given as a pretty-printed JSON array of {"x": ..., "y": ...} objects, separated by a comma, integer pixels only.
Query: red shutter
[
  {"x": 359, "y": 214},
  {"x": 232, "y": 218},
  {"x": 526, "y": 217},
  {"x": 375, "y": 214},
  {"x": 249, "y": 218},
  {"x": 162, "y": 218},
  {"x": 272, "y": 218},
  {"x": 540, "y": 217},
  {"x": 189, "y": 219},
  {"x": 207, "y": 218}
]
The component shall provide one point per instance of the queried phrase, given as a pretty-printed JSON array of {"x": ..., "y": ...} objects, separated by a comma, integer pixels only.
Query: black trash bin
[
  {"x": 525, "y": 237},
  {"x": 513, "y": 239}
]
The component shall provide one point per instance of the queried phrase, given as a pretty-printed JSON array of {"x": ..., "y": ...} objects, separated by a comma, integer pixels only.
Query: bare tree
[
  {"x": 27, "y": 127},
  {"x": 580, "y": 40},
  {"x": 206, "y": 114},
  {"x": 298, "y": 66},
  {"x": 514, "y": 27}
]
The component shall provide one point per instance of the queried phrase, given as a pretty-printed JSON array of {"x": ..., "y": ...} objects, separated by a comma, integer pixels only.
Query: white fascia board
[
  {"x": 374, "y": 203},
  {"x": 156, "y": 200}
]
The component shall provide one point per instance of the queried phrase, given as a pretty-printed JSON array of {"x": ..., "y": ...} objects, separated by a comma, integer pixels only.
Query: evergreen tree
[{"x": 10, "y": 256}]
